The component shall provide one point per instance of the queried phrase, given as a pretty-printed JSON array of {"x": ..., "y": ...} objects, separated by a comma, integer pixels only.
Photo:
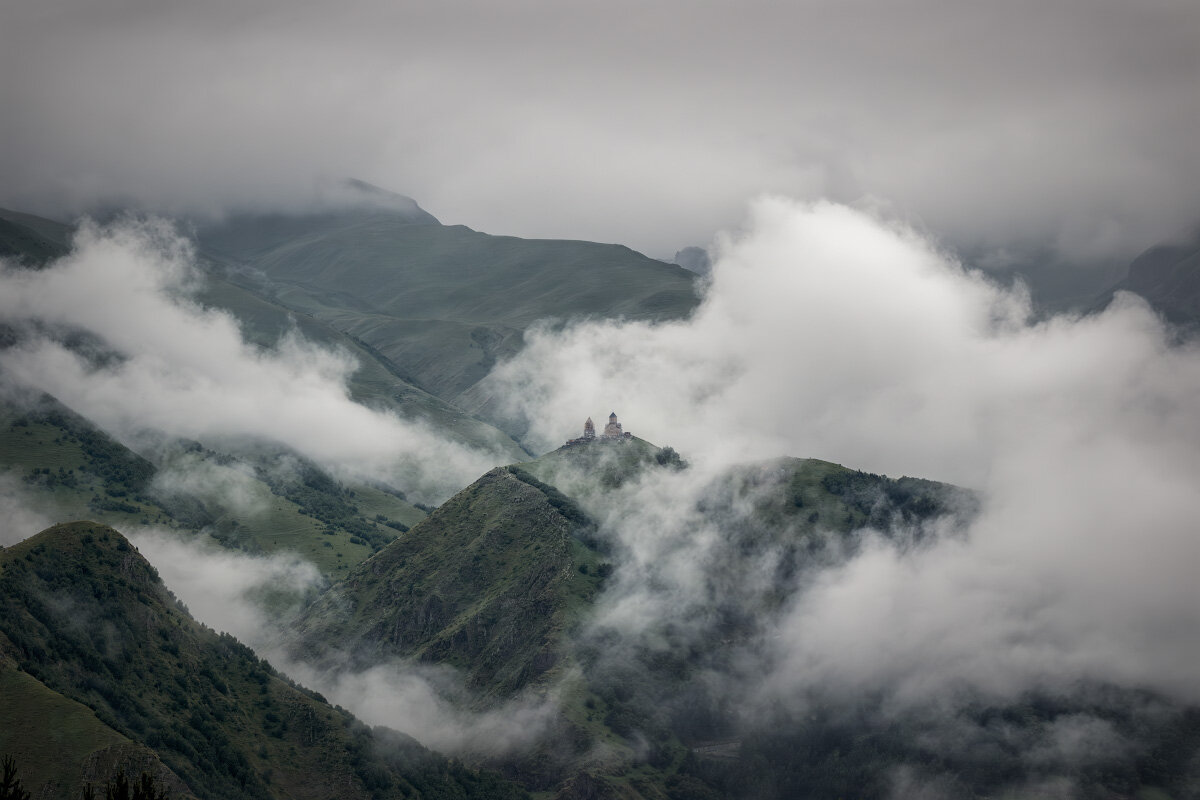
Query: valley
[{"x": 610, "y": 619}]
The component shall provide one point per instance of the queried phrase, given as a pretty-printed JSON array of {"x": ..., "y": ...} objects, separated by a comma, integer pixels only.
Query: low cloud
[
  {"x": 1068, "y": 125},
  {"x": 829, "y": 332},
  {"x": 232, "y": 487},
  {"x": 430, "y": 703},
  {"x": 162, "y": 364},
  {"x": 20, "y": 517},
  {"x": 227, "y": 590},
  {"x": 250, "y": 597}
]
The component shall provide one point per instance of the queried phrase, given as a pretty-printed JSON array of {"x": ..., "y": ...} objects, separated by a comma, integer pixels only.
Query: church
[{"x": 613, "y": 432}]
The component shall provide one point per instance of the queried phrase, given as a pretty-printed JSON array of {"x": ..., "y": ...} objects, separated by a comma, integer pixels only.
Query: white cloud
[
  {"x": 223, "y": 588},
  {"x": 186, "y": 371},
  {"x": 429, "y": 703},
  {"x": 232, "y": 592},
  {"x": 829, "y": 333},
  {"x": 1068, "y": 123},
  {"x": 20, "y": 518}
]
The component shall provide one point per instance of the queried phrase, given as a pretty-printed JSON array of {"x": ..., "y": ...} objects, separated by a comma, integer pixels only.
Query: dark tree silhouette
[{"x": 10, "y": 784}]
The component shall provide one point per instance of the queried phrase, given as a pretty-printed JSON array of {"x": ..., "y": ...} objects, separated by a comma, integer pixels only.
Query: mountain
[
  {"x": 502, "y": 582},
  {"x": 376, "y": 383},
  {"x": 511, "y": 582},
  {"x": 85, "y": 622},
  {"x": 30, "y": 239},
  {"x": 66, "y": 469},
  {"x": 440, "y": 303},
  {"x": 426, "y": 309},
  {"x": 33, "y": 241},
  {"x": 487, "y": 584},
  {"x": 1167, "y": 275}
]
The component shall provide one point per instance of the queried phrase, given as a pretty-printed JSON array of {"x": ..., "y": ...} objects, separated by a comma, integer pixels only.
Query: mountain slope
[
  {"x": 64, "y": 468},
  {"x": 31, "y": 240},
  {"x": 503, "y": 581},
  {"x": 441, "y": 303},
  {"x": 1167, "y": 275},
  {"x": 61, "y": 745},
  {"x": 375, "y": 383},
  {"x": 487, "y": 583},
  {"x": 84, "y": 614}
]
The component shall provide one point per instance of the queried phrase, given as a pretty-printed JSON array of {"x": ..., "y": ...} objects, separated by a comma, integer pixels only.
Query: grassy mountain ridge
[
  {"x": 490, "y": 583},
  {"x": 487, "y": 584},
  {"x": 503, "y": 579},
  {"x": 68, "y": 469},
  {"x": 86, "y": 616},
  {"x": 376, "y": 382},
  {"x": 442, "y": 303}
]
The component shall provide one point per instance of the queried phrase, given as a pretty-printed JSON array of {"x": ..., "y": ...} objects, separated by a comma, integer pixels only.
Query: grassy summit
[{"x": 488, "y": 583}]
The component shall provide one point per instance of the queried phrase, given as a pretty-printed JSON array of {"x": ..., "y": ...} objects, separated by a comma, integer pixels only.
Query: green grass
[
  {"x": 486, "y": 583},
  {"x": 70, "y": 472},
  {"x": 373, "y": 502},
  {"x": 53, "y": 738},
  {"x": 442, "y": 304},
  {"x": 376, "y": 383}
]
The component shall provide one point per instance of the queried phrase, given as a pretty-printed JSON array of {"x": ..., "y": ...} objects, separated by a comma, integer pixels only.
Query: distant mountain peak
[{"x": 355, "y": 193}]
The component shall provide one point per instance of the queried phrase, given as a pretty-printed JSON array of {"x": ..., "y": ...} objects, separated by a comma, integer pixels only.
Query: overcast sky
[{"x": 997, "y": 124}]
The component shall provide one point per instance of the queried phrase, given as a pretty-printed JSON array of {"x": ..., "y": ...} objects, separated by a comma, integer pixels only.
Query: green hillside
[
  {"x": 502, "y": 580},
  {"x": 71, "y": 470},
  {"x": 492, "y": 583},
  {"x": 67, "y": 469},
  {"x": 376, "y": 383},
  {"x": 488, "y": 583},
  {"x": 441, "y": 303},
  {"x": 61, "y": 744},
  {"x": 86, "y": 617}
]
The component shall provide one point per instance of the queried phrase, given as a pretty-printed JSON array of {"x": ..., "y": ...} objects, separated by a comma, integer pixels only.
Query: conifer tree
[
  {"x": 10, "y": 784},
  {"x": 119, "y": 788}
]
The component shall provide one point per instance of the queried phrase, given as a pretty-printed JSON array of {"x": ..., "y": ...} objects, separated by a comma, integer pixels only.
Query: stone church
[{"x": 613, "y": 432}]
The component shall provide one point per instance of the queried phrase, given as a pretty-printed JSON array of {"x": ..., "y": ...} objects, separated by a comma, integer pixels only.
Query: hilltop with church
[{"x": 612, "y": 432}]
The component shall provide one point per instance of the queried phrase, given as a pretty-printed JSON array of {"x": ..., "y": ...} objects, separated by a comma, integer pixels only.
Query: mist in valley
[
  {"x": 825, "y": 331},
  {"x": 996, "y": 593},
  {"x": 113, "y": 331}
]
